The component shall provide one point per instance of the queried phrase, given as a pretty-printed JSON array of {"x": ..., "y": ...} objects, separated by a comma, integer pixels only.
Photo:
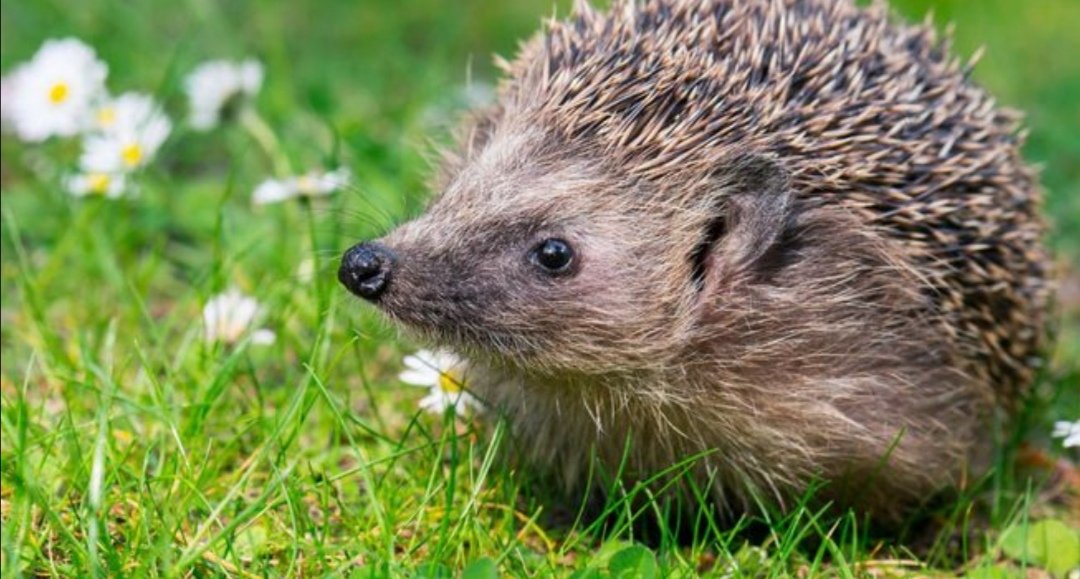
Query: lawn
[{"x": 132, "y": 445}]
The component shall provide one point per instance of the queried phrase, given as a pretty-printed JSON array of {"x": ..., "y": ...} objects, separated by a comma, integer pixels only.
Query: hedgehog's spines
[{"x": 860, "y": 109}]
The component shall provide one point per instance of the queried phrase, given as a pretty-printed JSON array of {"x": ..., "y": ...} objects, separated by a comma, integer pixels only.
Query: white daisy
[
  {"x": 311, "y": 184},
  {"x": 130, "y": 130},
  {"x": 53, "y": 92},
  {"x": 1070, "y": 431},
  {"x": 443, "y": 373},
  {"x": 215, "y": 86},
  {"x": 103, "y": 114},
  {"x": 107, "y": 185},
  {"x": 229, "y": 317}
]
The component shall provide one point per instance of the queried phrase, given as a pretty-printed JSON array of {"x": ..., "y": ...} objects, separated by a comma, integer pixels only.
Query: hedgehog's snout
[{"x": 365, "y": 269}]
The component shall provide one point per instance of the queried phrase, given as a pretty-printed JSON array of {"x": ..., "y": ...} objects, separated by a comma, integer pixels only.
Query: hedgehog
[{"x": 785, "y": 244}]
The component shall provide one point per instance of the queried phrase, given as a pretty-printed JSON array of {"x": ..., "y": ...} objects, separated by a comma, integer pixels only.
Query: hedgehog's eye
[{"x": 552, "y": 255}]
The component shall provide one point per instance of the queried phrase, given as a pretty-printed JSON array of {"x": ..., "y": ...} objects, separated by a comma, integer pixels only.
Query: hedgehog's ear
[{"x": 751, "y": 208}]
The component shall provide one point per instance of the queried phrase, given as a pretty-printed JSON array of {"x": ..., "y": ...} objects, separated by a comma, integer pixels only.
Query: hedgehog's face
[
  {"x": 551, "y": 261},
  {"x": 544, "y": 263}
]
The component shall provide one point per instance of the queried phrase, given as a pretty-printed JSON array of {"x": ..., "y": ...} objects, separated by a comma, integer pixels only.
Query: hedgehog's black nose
[{"x": 365, "y": 269}]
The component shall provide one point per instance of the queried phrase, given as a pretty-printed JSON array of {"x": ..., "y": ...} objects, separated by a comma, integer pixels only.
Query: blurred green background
[{"x": 373, "y": 67}]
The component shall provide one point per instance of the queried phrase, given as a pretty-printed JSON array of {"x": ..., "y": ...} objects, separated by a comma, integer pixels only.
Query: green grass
[{"x": 132, "y": 447}]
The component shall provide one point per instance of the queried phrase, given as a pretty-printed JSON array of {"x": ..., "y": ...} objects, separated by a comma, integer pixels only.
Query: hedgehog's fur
[{"x": 843, "y": 269}]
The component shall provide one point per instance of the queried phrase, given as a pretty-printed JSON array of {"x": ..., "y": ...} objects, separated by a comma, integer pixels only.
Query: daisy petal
[
  {"x": 425, "y": 377},
  {"x": 215, "y": 87},
  {"x": 263, "y": 337},
  {"x": 272, "y": 191},
  {"x": 435, "y": 403},
  {"x": 420, "y": 360}
]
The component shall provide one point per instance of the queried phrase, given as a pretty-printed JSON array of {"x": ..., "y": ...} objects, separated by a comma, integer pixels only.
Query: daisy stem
[
  {"x": 309, "y": 212},
  {"x": 261, "y": 132}
]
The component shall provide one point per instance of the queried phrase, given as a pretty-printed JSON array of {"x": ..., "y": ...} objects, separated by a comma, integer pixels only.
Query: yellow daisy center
[
  {"x": 106, "y": 116},
  {"x": 97, "y": 182},
  {"x": 449, "y": 382},
  {"x": 131, "y": 154},
  {"x": 58, "y": 93},
  {"x": 305, "y": 185}
]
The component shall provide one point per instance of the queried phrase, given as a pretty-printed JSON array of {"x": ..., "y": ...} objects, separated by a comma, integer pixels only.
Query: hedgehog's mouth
[{"x": 430, "y": 325}]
